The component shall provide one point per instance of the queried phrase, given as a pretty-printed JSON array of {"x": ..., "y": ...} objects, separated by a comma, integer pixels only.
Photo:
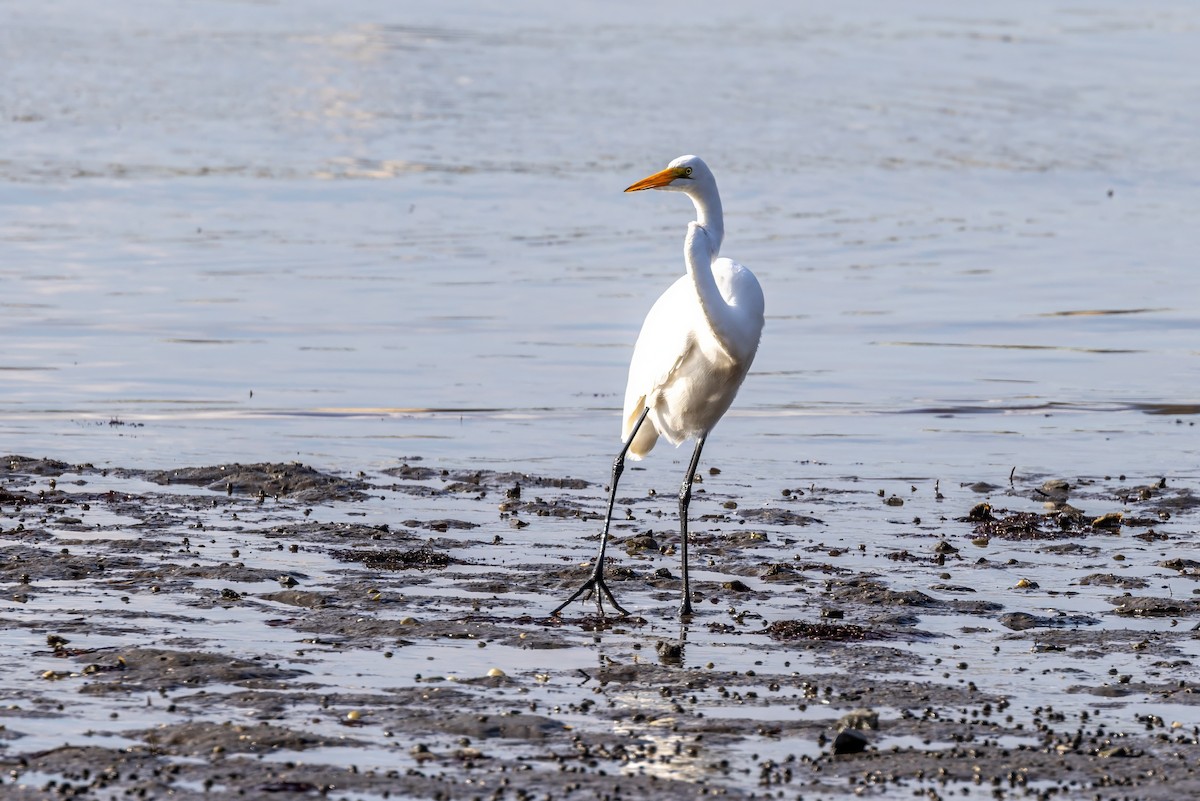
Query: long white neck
[
  {"x": 708, "y": 213},
  {"x": 700, "y": 247}
]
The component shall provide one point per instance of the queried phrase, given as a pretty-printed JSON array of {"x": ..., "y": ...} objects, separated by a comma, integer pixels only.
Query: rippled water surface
[
  {"x": 320, "y": 231},
  {"x": 361, "y": 233}
]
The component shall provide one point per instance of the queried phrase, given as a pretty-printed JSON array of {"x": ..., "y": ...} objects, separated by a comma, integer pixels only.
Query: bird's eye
[{"x": 688, "y": 172}]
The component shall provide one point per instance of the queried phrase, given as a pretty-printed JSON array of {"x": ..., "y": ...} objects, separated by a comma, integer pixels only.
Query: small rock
[
  {"x": 850, "y": 742},
  {"x": 669, "y": 653},
  {"x": 640, "y": 543},
  {"x": 860, "y": 719},
  {"x": 1020, "y": 621},
  {"x": 1116, "y": 751},
  {"x": 980, "y": 512},
  {"x": 1054, "y": 491}
]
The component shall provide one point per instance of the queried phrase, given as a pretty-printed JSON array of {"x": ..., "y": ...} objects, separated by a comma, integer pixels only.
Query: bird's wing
[{"x": 665, "y": 342}]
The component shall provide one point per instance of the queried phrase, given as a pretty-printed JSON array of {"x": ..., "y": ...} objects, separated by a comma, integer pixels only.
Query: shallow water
[
  {"x": 350, "y": 234},
  {"x": 202, "y": 582},
  {"x": 356, "y": 235}
]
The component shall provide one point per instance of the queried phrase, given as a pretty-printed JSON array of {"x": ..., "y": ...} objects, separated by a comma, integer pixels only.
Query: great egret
[{"x": 694, "y": 350}]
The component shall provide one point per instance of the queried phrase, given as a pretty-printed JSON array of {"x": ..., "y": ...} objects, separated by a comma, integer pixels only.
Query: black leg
[
  {"x": 685, "y": 497},
  {"x": 596, "y": 582}
]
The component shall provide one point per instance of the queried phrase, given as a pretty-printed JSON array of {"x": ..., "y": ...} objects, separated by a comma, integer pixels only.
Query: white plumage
[
  {"x": 681, "y": 370},
  {"x": 694, "y": 350}
]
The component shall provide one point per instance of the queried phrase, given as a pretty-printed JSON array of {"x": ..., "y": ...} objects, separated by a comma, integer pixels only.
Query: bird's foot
[
  {"x": 685, "y": 609},
  {"x": 596, "y": 582}
]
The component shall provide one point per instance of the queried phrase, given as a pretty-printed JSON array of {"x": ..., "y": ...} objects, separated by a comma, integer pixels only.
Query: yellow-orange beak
[{"x": 659, "y": 179}]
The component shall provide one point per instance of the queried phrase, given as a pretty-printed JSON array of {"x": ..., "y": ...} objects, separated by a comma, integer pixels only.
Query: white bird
[{"x": 695, "y": 348}]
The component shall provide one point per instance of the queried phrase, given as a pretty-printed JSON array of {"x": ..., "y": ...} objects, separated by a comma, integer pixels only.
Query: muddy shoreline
[{"x": 275, "y": 631}]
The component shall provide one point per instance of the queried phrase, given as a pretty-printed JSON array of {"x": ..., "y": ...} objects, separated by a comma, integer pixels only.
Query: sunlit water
[
  {"x": 355, "y": 233},
  {"x": 347, "y": 234}
]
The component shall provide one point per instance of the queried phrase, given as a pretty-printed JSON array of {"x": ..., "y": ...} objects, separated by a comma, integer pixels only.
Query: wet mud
[{"x": 273, "y": 631}]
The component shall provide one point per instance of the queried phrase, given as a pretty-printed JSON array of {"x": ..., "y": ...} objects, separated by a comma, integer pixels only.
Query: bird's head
[{"x": 684, "y": 174}]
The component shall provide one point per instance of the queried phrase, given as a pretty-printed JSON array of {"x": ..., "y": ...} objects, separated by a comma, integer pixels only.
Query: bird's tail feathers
[{"x": 646, "y": 437}]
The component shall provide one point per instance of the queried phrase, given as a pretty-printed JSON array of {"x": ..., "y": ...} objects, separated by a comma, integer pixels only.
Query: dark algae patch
[
  {"x": 391, "y": 559},
  {"x": 800, "y": 630},
  {"x": 275, "y": 631},
  {"x": 293, "y": 480}
]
